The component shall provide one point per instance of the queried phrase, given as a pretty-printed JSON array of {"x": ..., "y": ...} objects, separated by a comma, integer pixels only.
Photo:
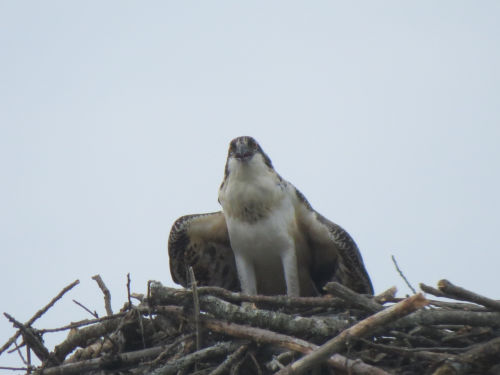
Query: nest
[{"x": 208, "y": 330}]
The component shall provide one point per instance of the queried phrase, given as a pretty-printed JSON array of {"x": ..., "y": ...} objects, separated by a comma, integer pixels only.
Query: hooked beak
[{"x": 243, "y": 152}]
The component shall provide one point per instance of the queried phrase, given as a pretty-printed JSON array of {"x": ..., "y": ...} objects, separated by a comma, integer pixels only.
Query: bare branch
[
  {"x": 457, "y": 292},
  {"x": 386, "y": 296},
  {"x": 218, "y": 350},
  {"x": 260, "y": 335},
  {"x": 128, "y": 290},
  {"x": 402, "y": 275},
  {"x": 39, "y": 313},
  {"x": 102, "y": 362},
  {"x": 230, "y": 360},
  {"x": 81, "y": 337},
  {"x": 196, "y": 304},
  {"x": 31, "y": 339},
  {"x": 107, "y": 294},
  {"x": 353, "y": 298},
  {"x": 276, "y": 301},
  {"x": 295, "y": 325},
  {"x": 93, "y": 313},
  {"x": 360, "y": 329}
]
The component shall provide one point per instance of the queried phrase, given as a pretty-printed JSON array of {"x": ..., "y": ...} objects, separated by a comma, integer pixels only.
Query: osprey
[{"x": 267, "y": 239}]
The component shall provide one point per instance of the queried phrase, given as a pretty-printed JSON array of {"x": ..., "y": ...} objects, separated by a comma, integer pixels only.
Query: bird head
[
  {"x": 245, "y": 151},
  {"x": 243, "y": 148}
]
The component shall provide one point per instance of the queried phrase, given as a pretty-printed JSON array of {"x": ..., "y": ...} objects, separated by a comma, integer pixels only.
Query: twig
[
  {"x": 433, "y": 353},
  {"x": 31, "y": 339},
  {"x": 295, "y": 325},
  {"x": 168, "y": 349},
  {"x": 255, "y": 363},
  {"x": 386, "y": 296},
  {"x": 261, "y": 335},
  {"x": 105, "y": 291},
  {"x": 102, "y": 362},
  {"x": 196, "y": 305},
  {"x": 276, "y": 301},
  {"x": 229, "y": 361},
  {"x": 81, "y": 323},
  {"x": 360, "y": 329},
  {"x": 218, "y": 350},
  {"x": 277, "y": 362},
  {"x": 481, "y": 355},
  {"x": 402, "y": 275},
  {"x": 449, "y": 317},
  {"x": 93, "y": 313},
  {"x": 431, "y": 290},
  {"x": 28, "y": 355},
  {"x": 82, "y": 336},
  {"x": 353, "y": 298},
  {"x": 14, "y": 368},
  {"x": 39, "y": 313},
  {"x": 18, "y": 350},
  {"x": 128, "y": 291},
  {"x": 462, "y": 294},
  {"x": 457, "y": 305}
]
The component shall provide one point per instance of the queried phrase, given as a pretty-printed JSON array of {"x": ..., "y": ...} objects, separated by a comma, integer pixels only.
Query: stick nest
[{"x": 208, "y": 330}]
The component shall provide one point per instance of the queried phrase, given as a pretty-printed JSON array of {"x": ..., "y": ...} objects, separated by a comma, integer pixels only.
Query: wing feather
[
  {"x": 335, "y": 255},
  {"x": 201, "y": 241}
]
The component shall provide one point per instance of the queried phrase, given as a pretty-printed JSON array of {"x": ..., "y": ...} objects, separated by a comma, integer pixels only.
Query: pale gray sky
[{"x": 116, "y": 116}]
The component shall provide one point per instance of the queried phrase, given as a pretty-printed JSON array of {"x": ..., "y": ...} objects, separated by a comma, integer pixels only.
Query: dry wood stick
[
  {"x": 15, "y": 368},
  {"x": 481, "y": 355},
  {"x": 31, "y": 339},
  {"x": 97, "y": 363},
  {"x": 353, "y": 298},
  {"x": 277, "y": 301},
  {"x": 260, "y": 335},
  {"x": 196, "y": 305},
  {"x": 360, "y": 329},
  {"x": 296, "y": 325},
  {"x": 402, "y": 275},
  {"x": 93, "y": 313},
  {"x": 82, "y": 323},
  {"x": 181, "y": 364},
  {"x": 457, "y": 305},
  {"x": 433, "y": 354},
  {"x": 39, "y": 313},
  {"x": 81, "y": 337},
  {"x": 230, "y": 360},
  {"x": 457, "y": 292},
  {"x": 128, "y": 291},
  {"x": 18, "y": 350},
  {"x": 429, "y": 289},
  {"x": 169, "y": 348},
  {"x": 105, "y": 291},
  {"x": 386, "y": 296},
  {"x": 449, "y": 317}
]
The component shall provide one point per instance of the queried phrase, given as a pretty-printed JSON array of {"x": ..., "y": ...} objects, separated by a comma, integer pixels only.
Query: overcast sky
[{"x": 116, "y": 117}]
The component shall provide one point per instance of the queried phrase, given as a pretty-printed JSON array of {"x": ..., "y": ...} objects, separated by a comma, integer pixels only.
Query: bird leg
[{"x": 290, "y": 269}]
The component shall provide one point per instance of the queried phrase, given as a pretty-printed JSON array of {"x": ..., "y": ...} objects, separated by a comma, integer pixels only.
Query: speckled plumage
[{"x": 267, "y": 240}]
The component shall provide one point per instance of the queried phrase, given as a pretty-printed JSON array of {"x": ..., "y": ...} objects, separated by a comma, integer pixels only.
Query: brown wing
[
  {"x": 201, "y": 241},
  {"x": 335, "y": 255},
  {"x": 349, "y": 269}
]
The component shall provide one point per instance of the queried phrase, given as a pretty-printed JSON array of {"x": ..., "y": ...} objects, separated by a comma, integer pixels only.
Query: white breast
[
  {"x": 265, "y": 252},
  {"x": 265, "y": 237}
]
